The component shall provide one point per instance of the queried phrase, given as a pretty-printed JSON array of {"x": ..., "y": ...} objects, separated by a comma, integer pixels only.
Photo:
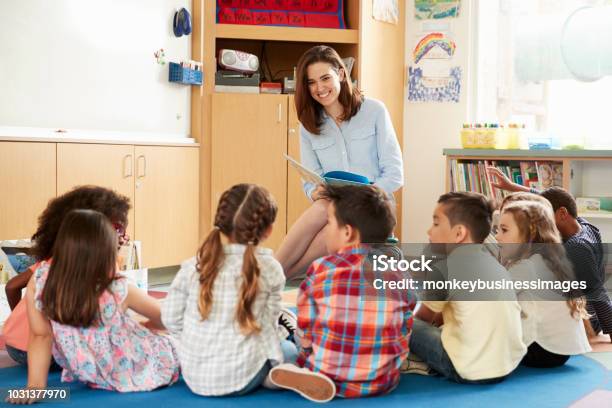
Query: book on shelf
[
  {"x": 471, "y": 175},
  {"x": 550, "y": 174}
]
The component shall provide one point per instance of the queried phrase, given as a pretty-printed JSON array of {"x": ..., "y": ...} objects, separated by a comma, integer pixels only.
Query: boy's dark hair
[
  {"x": 114, "y": 206},
  {"x": 470, "y": 209},
  {"x": 365, "y": 208},
  {"x": 558, "y": 197}
]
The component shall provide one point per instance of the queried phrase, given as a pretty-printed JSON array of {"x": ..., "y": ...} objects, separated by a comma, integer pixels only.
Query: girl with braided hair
[{"x": 223, "y": 305}]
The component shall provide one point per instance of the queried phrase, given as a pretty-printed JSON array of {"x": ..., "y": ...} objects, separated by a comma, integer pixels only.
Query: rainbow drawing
[{"x": 430, "y": 41}]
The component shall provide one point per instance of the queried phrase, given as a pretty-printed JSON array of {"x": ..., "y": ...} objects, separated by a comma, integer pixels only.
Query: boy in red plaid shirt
[{"x": 351, "y": 346}]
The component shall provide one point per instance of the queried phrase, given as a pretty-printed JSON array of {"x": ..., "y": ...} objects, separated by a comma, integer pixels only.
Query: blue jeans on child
[
  {"x": 426, "y": 342},
  {"x": 290, "y": 354},
  {"x": 21, "y": 358}
]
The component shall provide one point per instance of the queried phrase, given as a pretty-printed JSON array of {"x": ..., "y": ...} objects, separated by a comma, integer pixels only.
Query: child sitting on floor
[
  {"x": 77, "y": 309},
  {"x": 114, "y": 206},
  {"x": 531, "y": 249},
  {"x": 223, "y": 305},
  {"x": 350, "y": 347},
  {"x": 478, "y": 341}
]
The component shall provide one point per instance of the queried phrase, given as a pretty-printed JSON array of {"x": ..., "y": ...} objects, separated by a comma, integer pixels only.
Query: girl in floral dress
[{"x": 77, "y": 308}]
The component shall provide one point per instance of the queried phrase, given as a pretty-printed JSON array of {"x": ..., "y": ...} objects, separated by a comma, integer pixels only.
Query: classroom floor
[{"x": 584, "y": 382}]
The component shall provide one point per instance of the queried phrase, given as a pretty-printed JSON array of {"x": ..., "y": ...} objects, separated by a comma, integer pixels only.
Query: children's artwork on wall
[
  {"x": 386, "y": 11},
  {"x": 434, "y": 77},
  {"x": 434, "y": 46},
  {"x": 424, "y": 88},
  {"x": 436, "y": 9}
]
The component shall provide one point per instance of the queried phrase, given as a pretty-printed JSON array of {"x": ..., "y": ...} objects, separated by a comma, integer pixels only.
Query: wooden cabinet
[
  {"x": 297, "y": 202},
  {"x": 162, "y": 183},
  {"x": 166, "y": 203},
  {"x": 249, "y": 140},
  {"x": 27, "y": 177},
  {"x": 109, "y": 166}
]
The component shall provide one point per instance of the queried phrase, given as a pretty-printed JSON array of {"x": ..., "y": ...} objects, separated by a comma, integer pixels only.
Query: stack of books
[{"x": 471, "y": 175}]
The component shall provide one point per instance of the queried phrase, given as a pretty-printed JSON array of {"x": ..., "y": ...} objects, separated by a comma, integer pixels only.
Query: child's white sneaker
[{"x": 313, "y": 386}]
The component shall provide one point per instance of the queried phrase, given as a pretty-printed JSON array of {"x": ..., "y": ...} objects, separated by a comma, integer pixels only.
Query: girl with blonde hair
[{"x": 532, "y": 251}]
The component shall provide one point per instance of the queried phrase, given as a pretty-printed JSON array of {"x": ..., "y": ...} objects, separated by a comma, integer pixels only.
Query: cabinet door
[
  {"x": 110, "y": 166},
  {"x": 27, "y": 177},
  {"x": 297, "y": 202},
  {"x": 167, "y": 203},
  {"x": 249, "y": 139}
]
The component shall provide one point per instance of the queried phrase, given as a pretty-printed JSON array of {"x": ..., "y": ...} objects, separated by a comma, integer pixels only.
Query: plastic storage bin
[
  {"x": 539, "y": 142},
  {"x": 184, "y": 75},
  {"x": 481, "y": 137}
]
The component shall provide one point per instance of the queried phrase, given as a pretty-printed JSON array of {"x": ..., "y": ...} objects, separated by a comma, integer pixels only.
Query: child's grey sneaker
[
  {"x": 287, "y": 324},
  {"x": 313, "y": 386},
  {"x": 415, "y": 365}
]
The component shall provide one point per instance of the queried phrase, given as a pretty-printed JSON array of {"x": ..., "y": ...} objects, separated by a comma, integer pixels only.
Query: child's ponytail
[
  {"x": 209, "y": 259},
  {"x": 248, "y": 291},
  {"x": 252, "y": 222}
]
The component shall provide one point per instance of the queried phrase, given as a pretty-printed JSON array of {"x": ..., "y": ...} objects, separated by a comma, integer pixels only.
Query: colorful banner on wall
[{"x": 436, "y": 9}]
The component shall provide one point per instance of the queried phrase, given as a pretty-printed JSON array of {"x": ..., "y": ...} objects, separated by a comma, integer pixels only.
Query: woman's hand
[{"x": 503, "y": 182}]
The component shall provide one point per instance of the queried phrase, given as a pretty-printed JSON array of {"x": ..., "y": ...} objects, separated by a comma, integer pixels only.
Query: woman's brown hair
[
  {"x": 83, "y": 267},
  {"x": 114, "y": 206},
  {"x": 244, "y": 214},
  {"x": 536, "y": 224},
  {"x": 309, "y": 111}
]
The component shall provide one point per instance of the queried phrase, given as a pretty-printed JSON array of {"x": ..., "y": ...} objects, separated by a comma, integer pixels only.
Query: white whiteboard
[{"x": 89, "y": 64}]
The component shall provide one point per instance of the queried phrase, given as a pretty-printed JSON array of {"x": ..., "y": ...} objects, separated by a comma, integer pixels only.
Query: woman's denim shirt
[{"x": 366, "y": 145}]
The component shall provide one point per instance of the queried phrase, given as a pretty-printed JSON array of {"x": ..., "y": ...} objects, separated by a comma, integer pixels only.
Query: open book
[{"x": 332, "y": 177}]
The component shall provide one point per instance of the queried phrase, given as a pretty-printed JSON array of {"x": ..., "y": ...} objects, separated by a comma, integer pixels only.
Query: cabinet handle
[
  {"x": 127, "y": 169},
  {"x": 144, "y": 167},
  {"x": 280, "y": 113},
  {"x": 291, "y": 130}
]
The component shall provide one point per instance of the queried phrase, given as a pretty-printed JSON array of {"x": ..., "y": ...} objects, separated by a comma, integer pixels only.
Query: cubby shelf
[
  {"x": 292, "y": 34},
  {"x": 595, "y": 215}
]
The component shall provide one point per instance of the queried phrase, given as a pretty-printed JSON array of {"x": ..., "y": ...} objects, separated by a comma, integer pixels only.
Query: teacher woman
[{"x": 340, "y": 130}]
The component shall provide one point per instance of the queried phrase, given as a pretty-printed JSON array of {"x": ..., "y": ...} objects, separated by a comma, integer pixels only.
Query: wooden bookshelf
[
  {"x": 525, "y": 154},
  {"x": 586, "y": 173},
  {"x": 289, "y": 34}
]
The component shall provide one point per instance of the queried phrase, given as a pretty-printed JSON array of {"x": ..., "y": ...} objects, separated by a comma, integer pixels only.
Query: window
[{"x": 532, "y": 69}]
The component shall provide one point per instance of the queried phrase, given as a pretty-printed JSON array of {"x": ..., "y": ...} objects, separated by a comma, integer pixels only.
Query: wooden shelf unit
[
  {"x": 364, "y": 39},
  {"x": 289, "y": 34},
  {"x": 571, "y": 160},
  {"x": 586, "y": 173}
]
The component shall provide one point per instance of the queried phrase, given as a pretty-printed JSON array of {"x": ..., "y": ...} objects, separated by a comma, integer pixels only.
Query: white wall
[
  {"x": 431, "y": 127},
  {"x": 89, "y": 64}
]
